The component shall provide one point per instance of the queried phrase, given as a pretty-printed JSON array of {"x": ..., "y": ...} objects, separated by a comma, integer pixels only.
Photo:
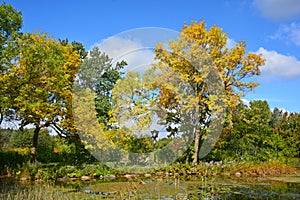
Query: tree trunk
[
  {"x": 187, "y": 159},
  {"x": 196, "y": 146},
  {"x": 35, "y": 143},
  {"x": 1, "y": 116},
  {"x": 196, "y": 136}
]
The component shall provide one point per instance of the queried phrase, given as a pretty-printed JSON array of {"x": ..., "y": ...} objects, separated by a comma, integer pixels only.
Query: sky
[{"x": 270, "y": 27}]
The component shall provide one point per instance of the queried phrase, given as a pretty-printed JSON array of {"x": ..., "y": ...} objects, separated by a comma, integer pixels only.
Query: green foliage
[
  {"x": 45, "y": 148},
  {"x": 22, "y": 139},
  {"x": 99, "y": 75},
  {"x": 10, "y": 25},
  {"x": 259, "y": 134},
  {"x": 45, "y": 151},
  {"x": 93, "y": 170},
  {"x": 5, "y": 136},
  {"x": 10, "y": 160}
]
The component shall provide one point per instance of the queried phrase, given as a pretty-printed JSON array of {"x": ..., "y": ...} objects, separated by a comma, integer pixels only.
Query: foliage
[
  {"x": 12, "y": 159},
  {"x": 133, "y": 103},
  {"x": 259, "y": 168},
  {"x": 5, "y": 136},
  {"x": 21, "y": 139},
  {"x": 93, "y": 170},
  {"x": 259, "y": 134},
  {"x": 10, "y": 25},
  {"x": 98, "y": 74},
  {"x": 39, "y": 84},
  {"x": 195, "y": 55}
]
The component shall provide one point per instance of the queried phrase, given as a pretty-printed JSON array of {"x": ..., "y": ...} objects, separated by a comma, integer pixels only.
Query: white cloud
[
  {"x": 136, "y": 46},
  {"x": 138, "y": 57},
  {"x": 278, "y": 9},
  {"x": 280, "y": 65},
  {"x": 290, "y": 33},
  {"x": 246, "y": 102}
]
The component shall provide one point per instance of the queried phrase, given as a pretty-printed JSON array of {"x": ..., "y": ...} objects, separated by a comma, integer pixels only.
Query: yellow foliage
[{"x": 203, "y": 59}]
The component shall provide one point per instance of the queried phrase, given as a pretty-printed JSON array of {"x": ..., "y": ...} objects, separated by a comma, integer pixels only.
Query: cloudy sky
[{"x": 270, "y": 27}]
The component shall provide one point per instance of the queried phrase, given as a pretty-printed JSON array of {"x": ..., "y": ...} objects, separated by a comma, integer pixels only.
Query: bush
[{"x": 12, "y": 159}]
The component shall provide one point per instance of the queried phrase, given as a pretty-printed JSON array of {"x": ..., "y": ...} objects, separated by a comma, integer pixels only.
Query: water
[{"x": 188, "y": 188}]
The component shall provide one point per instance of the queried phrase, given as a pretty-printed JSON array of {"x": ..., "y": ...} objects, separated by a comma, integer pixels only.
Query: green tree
[
  {"x": 10, "y": 25},
  {"x": 22, "y": 138},
  {"x": 5, "y": 136},
  {"x": 96, "y": 78},
  {"x": 286, "y": 137},
  {"x": 258, "y": 119},
  {"x": 45, "y": 149},
  {"x": 99, "y": 75},
  {"x": 259, "y": 134}
]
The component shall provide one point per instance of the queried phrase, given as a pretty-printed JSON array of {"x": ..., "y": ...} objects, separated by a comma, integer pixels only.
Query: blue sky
[{"x": 270, "y": 27}]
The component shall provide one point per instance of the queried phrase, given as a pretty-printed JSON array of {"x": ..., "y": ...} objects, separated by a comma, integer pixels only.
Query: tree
[
  {"x": 92, "y": 90},
  {"x": 286, "y": 137},
  {"x": 133, "y": 102},
  {"x": 258, "y": 120},
  {"x": 194, "y": 55},
  {"x": 10, "y": 25},
  {"x": 40, "y": 82},
  {"x": 98, "y": 74}
]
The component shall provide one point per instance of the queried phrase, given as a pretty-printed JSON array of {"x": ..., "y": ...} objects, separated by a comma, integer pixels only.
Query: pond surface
[{"x": 284, "y": 187}]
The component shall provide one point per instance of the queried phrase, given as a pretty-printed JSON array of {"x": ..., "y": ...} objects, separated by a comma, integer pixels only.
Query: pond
[{"x": 284, "y": 187}]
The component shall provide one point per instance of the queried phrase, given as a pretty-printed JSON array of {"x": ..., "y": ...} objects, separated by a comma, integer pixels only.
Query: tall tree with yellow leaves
[{"x": 216, "y": 76}]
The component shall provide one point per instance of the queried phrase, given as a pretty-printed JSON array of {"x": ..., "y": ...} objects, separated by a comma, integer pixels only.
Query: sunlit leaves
[
  {"x": 195, "y": 54},
  {"x": 132, "y": 103},
  {"x": 40, "y": 82}
]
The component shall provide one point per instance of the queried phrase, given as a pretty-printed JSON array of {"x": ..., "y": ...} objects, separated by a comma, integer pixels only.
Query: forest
[{"x": 53, "y": 89}]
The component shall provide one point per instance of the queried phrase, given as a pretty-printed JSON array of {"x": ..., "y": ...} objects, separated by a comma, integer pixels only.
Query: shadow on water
[{"x": 284, "y": 187}]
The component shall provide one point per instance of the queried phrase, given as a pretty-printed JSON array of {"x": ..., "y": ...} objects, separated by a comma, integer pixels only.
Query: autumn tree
[
  {"x": 132, "y": 112},
  {"x": 133, "y": 102},
  {"x": 194, "y": 55},
  {"x": 39, "y": 84}
]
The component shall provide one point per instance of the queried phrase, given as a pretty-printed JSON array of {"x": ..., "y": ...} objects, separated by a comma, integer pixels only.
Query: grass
[
  {"x": 43, "y": 191},
  {"x": 270, "y": 168}
]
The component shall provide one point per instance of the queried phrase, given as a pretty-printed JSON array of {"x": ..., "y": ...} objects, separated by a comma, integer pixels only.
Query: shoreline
[{"x": 236, "y": 170}]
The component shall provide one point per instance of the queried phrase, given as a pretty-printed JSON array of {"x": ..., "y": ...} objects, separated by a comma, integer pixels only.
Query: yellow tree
[
  {"x": 216, "y": 76},
  {"x": 39, "y": 84}
]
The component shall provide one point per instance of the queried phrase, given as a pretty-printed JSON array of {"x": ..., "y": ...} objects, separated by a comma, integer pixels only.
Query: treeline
[{"x": 259, "y": 133}]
